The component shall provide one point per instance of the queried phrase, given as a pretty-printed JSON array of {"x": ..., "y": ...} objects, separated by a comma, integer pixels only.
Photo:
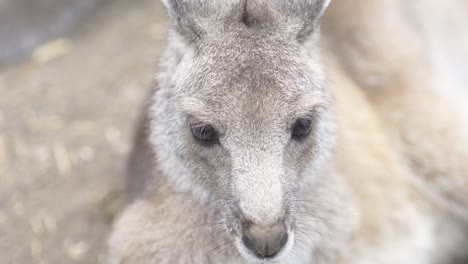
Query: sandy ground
[{"x": 66, "y": 122}]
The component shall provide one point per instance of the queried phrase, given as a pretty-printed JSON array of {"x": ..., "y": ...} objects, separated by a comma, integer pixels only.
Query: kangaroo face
[
  {"x": 242, "y": 115},
  {"x": 252, "y": 132}
]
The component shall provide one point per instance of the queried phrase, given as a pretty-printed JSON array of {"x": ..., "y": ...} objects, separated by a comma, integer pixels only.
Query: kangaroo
[
  {"x": 401, "y": 77},
  {"x": 263, "y": 142}
]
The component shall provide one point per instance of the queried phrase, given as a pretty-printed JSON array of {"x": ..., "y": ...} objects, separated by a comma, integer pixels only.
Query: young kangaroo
[{"x": 247, "y": 153}]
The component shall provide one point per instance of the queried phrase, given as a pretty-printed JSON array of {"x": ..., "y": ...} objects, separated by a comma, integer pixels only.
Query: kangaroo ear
[
  {"x": 310, "y": 18},
  {"x": 183, "y": 18},
  {"x": 303, "y": 14}
]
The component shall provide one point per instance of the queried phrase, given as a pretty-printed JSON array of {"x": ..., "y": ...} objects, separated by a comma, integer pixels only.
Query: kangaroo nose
[{"x": 265, "y": 241}]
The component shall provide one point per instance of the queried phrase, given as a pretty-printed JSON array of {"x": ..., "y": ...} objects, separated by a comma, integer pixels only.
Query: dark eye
[
  {"x": 301, "y": 128},
  {"x": 205, "y": 133}
]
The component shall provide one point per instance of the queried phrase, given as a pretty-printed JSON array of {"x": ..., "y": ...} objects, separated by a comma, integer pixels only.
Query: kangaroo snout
[{"x": 265, "y": 241}]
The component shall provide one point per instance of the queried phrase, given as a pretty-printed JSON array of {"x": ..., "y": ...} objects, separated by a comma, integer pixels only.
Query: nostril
[
  {"x": 283, "y": 240},
  {"x": 265, "y": 242},
  {"x": 248, "y": 243}
]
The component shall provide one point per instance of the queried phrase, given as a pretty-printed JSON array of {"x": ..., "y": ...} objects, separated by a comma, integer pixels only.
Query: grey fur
[
  {"x": 243, "y": 68},
  {"x": 251, "y": 69}
]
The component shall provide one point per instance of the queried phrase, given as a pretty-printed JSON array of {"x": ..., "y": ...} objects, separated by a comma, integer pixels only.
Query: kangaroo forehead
[
  {"x": 253, "y": 107},
  {"x": 254, "y": 75},
  {"x": 253, "y": 91},
  {"x": 254, "y": 66},
  {"x": 249, "y": 46}
]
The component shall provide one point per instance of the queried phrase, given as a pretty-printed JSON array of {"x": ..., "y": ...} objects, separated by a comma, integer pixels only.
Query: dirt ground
[{"x": 66, "y": 122}]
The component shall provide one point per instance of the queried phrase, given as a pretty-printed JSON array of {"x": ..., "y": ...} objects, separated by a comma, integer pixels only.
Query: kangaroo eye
[
  {"x": 204, "y": 133},
  {"x": 301, "y": 128}
]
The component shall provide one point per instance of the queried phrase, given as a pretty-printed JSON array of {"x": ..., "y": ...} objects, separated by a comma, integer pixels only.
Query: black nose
[{"x": 265, "y": 241}]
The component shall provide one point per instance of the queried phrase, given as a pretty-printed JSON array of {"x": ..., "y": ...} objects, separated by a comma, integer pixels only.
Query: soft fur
[{"x": 382, "y": 178}]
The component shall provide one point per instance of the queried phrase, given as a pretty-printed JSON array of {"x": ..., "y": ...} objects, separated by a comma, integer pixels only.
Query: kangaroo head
[{"x": 242, "y": 114}]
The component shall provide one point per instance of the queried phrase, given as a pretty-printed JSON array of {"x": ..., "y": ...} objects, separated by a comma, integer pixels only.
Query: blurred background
[{"x": 73, "y": 74}]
